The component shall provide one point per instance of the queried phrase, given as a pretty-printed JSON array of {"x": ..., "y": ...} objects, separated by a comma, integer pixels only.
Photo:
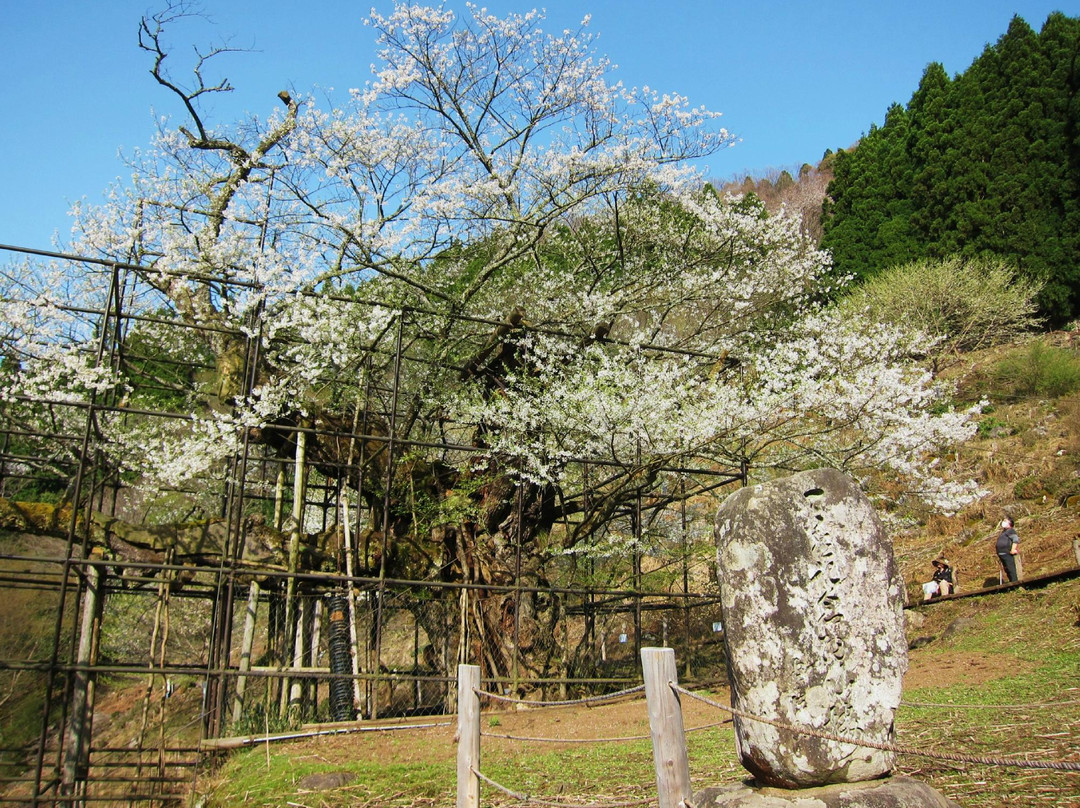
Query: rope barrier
[
  {"x": 594, "y": 740},
  {"x": 570, "y": 703},
  {"x": 1034, "y": 706},
  {"x": 1058, "y": 765},
  {"x": 553, "y": 804},
  {"x": 534, "y": 739}
]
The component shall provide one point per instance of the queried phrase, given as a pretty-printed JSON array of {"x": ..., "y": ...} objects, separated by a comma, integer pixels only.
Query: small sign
[
  {"x": 717, "y": 627},
  {"x": 622, "y": 638}
]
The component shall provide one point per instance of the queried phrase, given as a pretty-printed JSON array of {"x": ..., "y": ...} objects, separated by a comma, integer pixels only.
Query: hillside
[
  {"x": 802, "y": 195},
  {"x": 1027, "y": 456},
  {"x": 983, "y": 162}
]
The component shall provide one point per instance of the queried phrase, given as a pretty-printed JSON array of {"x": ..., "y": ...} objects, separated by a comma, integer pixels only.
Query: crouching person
[{"x": 942, "y": 582}]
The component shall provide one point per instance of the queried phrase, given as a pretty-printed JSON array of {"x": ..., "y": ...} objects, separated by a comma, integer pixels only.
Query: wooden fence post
[
  {"x": 468, "y": 737},
  {"x": 666, "y": 727}
]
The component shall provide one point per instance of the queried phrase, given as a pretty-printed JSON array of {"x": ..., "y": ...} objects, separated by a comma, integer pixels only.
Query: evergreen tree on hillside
[
  {"x": 985, "y": 164},
  {"x": 1060, "y": 155},
  {"x": 930, "y": 129},
  {"x": 870, "y": 220}
]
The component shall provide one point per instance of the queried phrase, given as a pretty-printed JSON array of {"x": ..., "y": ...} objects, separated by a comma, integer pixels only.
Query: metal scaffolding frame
[{"x": 397, "y": 667}]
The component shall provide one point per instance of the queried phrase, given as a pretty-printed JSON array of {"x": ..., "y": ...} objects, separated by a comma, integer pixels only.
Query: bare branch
[{"x": 151, "y": 35}]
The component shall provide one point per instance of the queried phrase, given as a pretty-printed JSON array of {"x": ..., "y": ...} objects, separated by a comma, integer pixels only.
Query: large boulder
[{"x": 813, "y": 620}]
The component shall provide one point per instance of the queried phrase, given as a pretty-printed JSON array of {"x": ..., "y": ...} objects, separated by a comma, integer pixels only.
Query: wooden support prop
[
  {"x": 293, "y": 627},
  {"x": 666, "y": 727},
  {"x": 350, "y": 593},
  {"x": 313, "y": 651},
  {"x": 77, "y": 740},
  {"x": 247, "y": 643},
  {"x": 296, "y": 688},
  {"x": 468, "y": 737}
]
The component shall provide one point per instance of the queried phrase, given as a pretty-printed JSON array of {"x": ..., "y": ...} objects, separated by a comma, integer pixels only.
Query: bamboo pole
[
  {"x": 468, "y": 737},
  {"x": 666, "y": 727}
]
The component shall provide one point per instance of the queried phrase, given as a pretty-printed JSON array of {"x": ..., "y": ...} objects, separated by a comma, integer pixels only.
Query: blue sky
[{"x": 792, "y": 77}]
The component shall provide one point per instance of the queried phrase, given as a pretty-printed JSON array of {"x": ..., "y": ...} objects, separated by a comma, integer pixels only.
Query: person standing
[{"x": 1008, "y": 545}]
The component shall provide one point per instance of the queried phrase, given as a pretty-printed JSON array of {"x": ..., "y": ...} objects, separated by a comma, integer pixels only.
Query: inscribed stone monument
[{"x": 812, "y": 606}]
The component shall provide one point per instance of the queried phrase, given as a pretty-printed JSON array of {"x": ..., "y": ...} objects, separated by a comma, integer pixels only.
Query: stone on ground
[{"x": 892, "y": 792}]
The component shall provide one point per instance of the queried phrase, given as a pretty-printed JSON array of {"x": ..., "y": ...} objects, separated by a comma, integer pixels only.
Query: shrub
[
  {"x": 966, "y": 303},
  {"x": 1069, "y": 494},
  {"x": 992, "y": 426},
  {"x": 1030, "y": 487},
  {"x": 1041, "y": 371}
]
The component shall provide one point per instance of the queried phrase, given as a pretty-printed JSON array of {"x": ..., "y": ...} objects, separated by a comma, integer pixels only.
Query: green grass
[
  {"x": 623, "y": 770},
  {"x": 1037, "y": 635},
  {"x": 256, "y": 780},
  {"x": 595, "y": 766}
]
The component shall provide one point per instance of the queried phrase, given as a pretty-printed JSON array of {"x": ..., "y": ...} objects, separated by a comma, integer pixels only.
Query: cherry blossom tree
[{"x": 506, "y": 259}]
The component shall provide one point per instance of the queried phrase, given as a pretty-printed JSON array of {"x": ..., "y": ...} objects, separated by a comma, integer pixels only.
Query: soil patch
[
  {"x": 929, "y": 668},
  {"x": 935, "y": 669}
]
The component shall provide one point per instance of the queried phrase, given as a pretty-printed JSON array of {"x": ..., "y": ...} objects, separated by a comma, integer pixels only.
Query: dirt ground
[
  {"x": 621, "y": 719},
  {"x": 936, "y": 670}
]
